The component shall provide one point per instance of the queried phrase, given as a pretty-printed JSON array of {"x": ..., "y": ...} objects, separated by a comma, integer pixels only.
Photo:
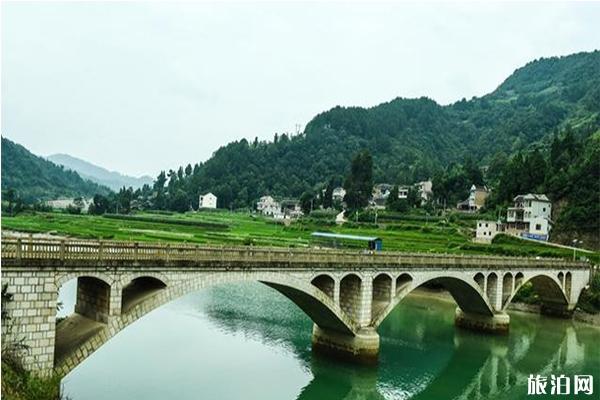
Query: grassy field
[{"x": 232, "y": 228}]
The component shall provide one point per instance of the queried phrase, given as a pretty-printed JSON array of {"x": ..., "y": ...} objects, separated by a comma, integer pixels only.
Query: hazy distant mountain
[
  {"x": 102, "y": 176},
  {"x": 35, "y": 178}
]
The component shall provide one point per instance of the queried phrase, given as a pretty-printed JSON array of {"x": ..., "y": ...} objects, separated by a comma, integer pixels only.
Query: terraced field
[{"x": 237, "y": 228}]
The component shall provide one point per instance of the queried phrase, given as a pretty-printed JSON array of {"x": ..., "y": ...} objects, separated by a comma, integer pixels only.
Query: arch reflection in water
[{"x": 424, "y": 356}]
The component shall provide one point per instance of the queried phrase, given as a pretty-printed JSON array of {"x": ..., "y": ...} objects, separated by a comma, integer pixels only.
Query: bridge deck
[{"x": 19, "y": 252}]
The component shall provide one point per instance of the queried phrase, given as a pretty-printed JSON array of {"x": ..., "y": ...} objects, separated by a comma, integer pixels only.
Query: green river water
[{"x": 248, "y": 342}]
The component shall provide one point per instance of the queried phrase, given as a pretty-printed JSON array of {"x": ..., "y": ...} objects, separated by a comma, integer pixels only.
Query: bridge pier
[
  {"x": 497, "y": 323},
  {"x": 362, "y": 348}
]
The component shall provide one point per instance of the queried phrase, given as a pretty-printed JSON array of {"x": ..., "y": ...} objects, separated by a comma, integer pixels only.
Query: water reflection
[
  {"x": 248, "y": 341},
  {"x": 422, "y": 355}
]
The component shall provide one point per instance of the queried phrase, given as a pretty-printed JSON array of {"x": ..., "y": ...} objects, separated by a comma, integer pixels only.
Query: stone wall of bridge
[{"x": 32, "y": 315}]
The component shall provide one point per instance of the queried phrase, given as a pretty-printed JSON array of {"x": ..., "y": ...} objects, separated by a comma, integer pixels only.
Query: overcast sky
[{"x": 140, "y": 87}]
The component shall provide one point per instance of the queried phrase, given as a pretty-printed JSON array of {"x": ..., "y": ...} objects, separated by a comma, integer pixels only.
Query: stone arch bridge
[{"x": 347, "y": 294}]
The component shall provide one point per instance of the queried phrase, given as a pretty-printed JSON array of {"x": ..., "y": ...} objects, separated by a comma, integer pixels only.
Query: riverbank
[{"x": 578, "y": 315}]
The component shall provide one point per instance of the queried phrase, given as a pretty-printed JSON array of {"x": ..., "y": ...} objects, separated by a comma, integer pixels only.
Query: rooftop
[
  {"x": 532, "y": 196},
  {"x": 344, "y": 236}
]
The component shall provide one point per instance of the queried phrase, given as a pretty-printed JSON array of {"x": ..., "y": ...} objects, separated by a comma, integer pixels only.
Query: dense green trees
[
  {"x": 411, "y": 139},
  {"x": 359, "y": 182}
]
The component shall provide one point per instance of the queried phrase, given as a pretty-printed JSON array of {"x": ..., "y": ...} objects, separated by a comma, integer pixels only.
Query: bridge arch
[
  {"x": 314, "y": 302},
  {"x": 350, "y": 291},
  {"x": 518, "y": 280},
  {"x": 491, "y": 285},
  {"x": 507, "y": 286},
  {"x": 127, "y": 278},
  {"x": 381, "y": 293},
  {"x": 326, "y": 283},
  {"x": 480, "y": 279},
  {"x": 561, "y": 278},
  {"x": 568, "y": 283},
  {"x": 93, "y": 294},
  {"x": 64, "y": 278},
  {"x": 546, "y": 285},
  {"x": 402, "y": 281},
  {"x": 466, "y": 292},
  {"x": 138, "y": 289}
]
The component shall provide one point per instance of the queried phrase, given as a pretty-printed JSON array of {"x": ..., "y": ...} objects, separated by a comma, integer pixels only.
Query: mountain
[
  {"x": 411, "y": 139},
  {"x": 35, "y": 178},
  {"x": 102, "y": 176}
]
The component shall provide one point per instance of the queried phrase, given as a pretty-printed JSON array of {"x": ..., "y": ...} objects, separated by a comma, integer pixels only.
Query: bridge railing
[{"x": 140, "y": 251}]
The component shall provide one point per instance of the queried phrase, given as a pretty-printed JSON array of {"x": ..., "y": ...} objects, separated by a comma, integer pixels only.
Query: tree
[
  {"x": 473, "y": 172},
  {"x": 160, "y": 181},
  {"x": 100, "y": 205},
  {"x": 307, "y": 202},
  {"x": 359, "y": 183},
  {"x": 73, "y": 209},
  {"x": 413, "y": 199},
  {"x": 394, "y": 203},
  {"x": 328, "y": 195},
  {"x": 10, "y": 198},
  {"x": 123, "y": 203},
  {"x": 497, "y": 164},
  {"x": 188, "y": 170},
  {"x": 179, "y": 201}
]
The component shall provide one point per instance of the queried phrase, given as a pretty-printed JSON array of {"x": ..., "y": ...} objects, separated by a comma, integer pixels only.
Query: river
[{"x": 247, "y": 341}]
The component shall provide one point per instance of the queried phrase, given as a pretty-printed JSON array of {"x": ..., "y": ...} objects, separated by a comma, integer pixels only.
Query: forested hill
[
  {"x": 410, "y": 139},
  {"x": 34, "y": 178}
]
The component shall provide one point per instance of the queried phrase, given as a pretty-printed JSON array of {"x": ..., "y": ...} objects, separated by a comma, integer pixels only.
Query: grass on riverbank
[
  {"x": 451, "y": 235},
  {"x": 18, "y": 384}
]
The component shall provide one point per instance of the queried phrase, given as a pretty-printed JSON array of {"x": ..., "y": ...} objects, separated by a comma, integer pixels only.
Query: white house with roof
[
  {"x": 338, "y": 194},
  {"x": 268, "y": 206},
  {"x": 476, "y": 199},
  {"x": 425, "y": 189},
  {"x": 207, "y": 200},
  {"x": 487, "y": 230},
  {"x": 530, "y": 216}
]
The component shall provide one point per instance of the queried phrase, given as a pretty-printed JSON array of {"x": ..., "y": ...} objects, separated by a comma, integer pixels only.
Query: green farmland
[{"x": 239, "y": 229}]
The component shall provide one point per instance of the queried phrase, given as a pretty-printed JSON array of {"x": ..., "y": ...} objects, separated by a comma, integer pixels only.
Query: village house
[
  {"x": 291, "y": 208},
  {"x": 425, "y": 190},
  {"x": 530, "y": 216},
  {"x": 338, "y": 194},
  {"x": 380, "y": 193},
  {"x": 268, "y": 206},
  {"x": 476, "y": 199},
  {"x": 403, "y": 192},
  {"x": 487, "y": 230},
  {"x": 62, "y": 204},
  {"x": 207, "y": 200}
]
